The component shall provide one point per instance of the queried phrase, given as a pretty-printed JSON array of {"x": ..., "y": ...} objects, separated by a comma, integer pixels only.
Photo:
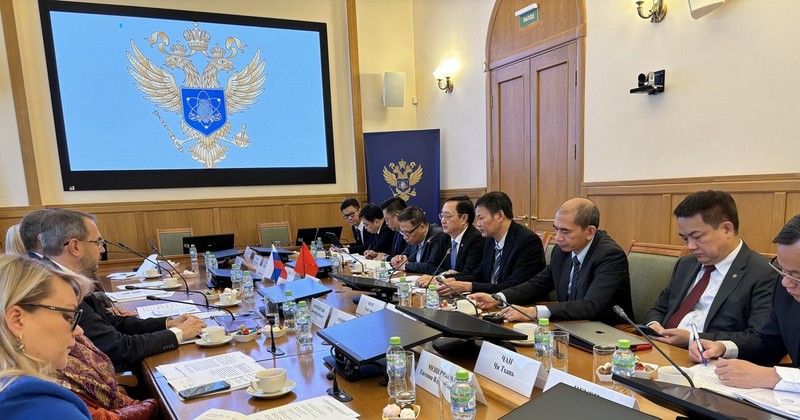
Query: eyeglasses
[
  {"x": 349, "y": 215},
  {"x": 73, "y": 320},
  {"x": 775, "y": 266},
  {"x": 447, "y": 215},
  {"x": 101, "y": 243},
  {"x": 406, "y": 234}
]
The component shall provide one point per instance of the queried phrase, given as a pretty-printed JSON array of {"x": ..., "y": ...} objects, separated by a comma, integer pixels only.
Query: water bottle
[
  {"x": 193, "y": 259},
  {"x": 431, "y": 297},
  {"x": 395, "y": 365},
  {"x": 236, "y": 277},
  {"x": 304, "y": 338},
  {"x": 207, "y": 263},
  {"x": 403, "y": 292},
  {"x": 313, "y": 248},
  {"x": 543, "y": 343},
  {"x": 248, "y": 295},
  {"x": 288, "y": 311},
  {"x": 320, "y": 249},
  {"x": 623, "y": 362},
  {"x": 214, "y": 263},
  {"x": 336, "y": 264},
  {"x": 383, "y": 272},
  {"x": 462, "y": 397}
]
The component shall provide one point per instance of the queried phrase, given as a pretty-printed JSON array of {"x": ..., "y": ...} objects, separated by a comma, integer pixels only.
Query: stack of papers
[
  {"x": 234, "y": 368},
  {"x": 321, "y": 408},
  {"x": 131, "y": 295},
  {"x": 167, "y": 309}
]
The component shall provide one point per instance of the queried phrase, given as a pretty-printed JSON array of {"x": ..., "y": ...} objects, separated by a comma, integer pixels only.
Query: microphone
[
  {"x": 151, "y": 297},
  {"x": 175, "y": 270},
  {"x": 459, "y": 296},
  {"x": 273, "y": 349},
  {"x": 336, "y": 392},
  {"x": 621, "y": 312},
  {"x": 358, "y": 260},
  {"x": 131, "y": 251},
  {"x": 504, "y": 302},
  {"x": 446, "y": 254},
  {"x": 132, "y": 287},
  {"x": 414, "y": 255}
]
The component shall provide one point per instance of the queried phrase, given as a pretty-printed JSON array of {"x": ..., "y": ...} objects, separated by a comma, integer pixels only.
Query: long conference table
[{"x": 309, "y": 370}]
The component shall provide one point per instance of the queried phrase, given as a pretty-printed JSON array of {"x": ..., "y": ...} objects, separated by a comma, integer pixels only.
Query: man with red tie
[{"x": 724, "y": 288}]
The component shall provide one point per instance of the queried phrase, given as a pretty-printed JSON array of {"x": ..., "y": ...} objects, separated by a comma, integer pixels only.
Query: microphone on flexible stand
[
  {"x": 175, "y": 270},
  {"x": 414, "y": 255},
  {"x": 273, "y": 349},
  {"x": 337, "y": 392},
  {"x": 151, "y": 297},
  {"x": 363, "y": 269},
  {"x": 504, "y": 302},
  {"x": 132, "y": 287},
  {"x": 459, "y": 296},
  {"x": 621, "y": 312}
]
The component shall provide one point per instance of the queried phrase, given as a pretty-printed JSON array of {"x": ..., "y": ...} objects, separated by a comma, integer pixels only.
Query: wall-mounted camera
[{"x": 650, "y": 83}]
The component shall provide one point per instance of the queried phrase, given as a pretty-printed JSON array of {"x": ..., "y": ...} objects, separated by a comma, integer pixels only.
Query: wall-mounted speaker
[
  {"x": 394, "y": 83},
  {"x": 700, "y": 8}
]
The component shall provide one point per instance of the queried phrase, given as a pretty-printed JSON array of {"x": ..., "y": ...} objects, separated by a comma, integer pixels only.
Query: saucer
[
  {"x": 281, "y": 392},
  {"x": 234, "y": 303},
  {"x": 522, "y": 343},
  {"x": 177, "y": 286},
  {"x": 202, "y": 343},
  {"x": 157, "y": 276}
]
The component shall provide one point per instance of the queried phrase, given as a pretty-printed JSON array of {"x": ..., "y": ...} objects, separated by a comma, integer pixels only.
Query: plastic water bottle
[
  {"x": 403, "y": 292},
  {"x": 193, "y": 259},
  {"x": 383, "y": 272},
  {"x": 236, "y": 277},
  {"x": 304, "y": 338},
  {"x": 336, "y": 263},
  {"x": 248, "y": 295},
  {"x": 623, "y": 362},
  {"x": 214, "y": 263},
  {"x": 543, "y": 343},
  {"x": 395, "y": 366},
  {"x": 462, "y": 397},
  {"x": 288, "y": 311},
  {"x": 207, "y": 263},
  {"x": 431, "y": 297},
  {"x": 320, "y": 249}
]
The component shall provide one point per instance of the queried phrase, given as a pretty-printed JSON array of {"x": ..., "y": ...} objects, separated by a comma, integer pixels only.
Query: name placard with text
[
  {"x": 430, "y": 370},
  {"x": 368, "y": 305},
  {"x": 319, "y": 312},
  {"x": 510, "y": 369}
]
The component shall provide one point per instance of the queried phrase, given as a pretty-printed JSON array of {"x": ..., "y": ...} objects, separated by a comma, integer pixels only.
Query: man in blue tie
[{"x": 588, "y": 270}]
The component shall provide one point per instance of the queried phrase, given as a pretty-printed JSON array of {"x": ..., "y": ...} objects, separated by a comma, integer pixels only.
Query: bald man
[{"x": 588, "y": 270}]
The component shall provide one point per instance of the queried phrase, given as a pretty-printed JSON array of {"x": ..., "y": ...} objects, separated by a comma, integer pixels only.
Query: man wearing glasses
[
  {"x": 779, "y": 336},
  {"x": 73, "y": 242},
  {"x": 724, "y": 288},
  {"x": 421, "y": 239},
  {"x": 350, "y": 212},
  {"x": 465, "y": 245}
]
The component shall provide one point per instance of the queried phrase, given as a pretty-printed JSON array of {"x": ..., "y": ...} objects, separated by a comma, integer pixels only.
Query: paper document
[
  {"x": 166, "y": 309},
  {"x": 122, "y": 276},
  {"x": 157, "y": 283},
  {"x": 234, "y": 368},
  {"x": 131, "y": 295},
  {"x": 324, "y": 407}
]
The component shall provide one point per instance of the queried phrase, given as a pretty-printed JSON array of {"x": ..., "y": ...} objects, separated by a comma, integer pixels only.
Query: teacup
[
  {"x": 153, "y": 272},
  {"x": 465, "y": 306},
  {"x": 169, "y": 282},
  {"x": 212, "y": 334},
  {"x": 527, "y": 329},
  {"x": 670, "y": 374},
  {"x": 269, "y": 380},
  {"x": 227, "y": 298}
]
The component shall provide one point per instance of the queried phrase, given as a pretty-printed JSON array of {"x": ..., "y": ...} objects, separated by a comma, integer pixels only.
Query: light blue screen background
[{"x": 111, "y": 126}]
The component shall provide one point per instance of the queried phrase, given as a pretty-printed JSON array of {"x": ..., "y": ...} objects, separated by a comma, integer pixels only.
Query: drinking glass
[{"x": 560, "y": 356}]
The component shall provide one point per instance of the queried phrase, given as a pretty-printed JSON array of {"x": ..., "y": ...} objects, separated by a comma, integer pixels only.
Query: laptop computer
[
  {"x": 309, "y": 234},
  {"x": 587, "y": 334}
]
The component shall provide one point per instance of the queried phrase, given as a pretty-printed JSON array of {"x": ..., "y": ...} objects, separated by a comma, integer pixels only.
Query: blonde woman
[
  {"x": 14, "y": 241},
  {"x": 38, "y": 328}
]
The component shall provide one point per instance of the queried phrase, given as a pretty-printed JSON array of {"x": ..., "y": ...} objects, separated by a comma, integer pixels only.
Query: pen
[{"x": 699, "y": 345}]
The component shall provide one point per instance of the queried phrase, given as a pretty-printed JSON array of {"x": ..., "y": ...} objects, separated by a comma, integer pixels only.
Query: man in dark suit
[
  {"x": 734, "y": 298},
  {"x": 73, "y": 242},
  {"x": 391, "y": 208},
  {"x": 29, "y": 229},
  {"x": 380, "y": 239},
  {"x": 421, "y": 239},
  {"x": 588, "y": 271},
  {"x": 465, "y": 245},
  {"x": 511, "y": 252},
  {"x": 350, "y": 212},
  {"x": 777, "y": 338}
]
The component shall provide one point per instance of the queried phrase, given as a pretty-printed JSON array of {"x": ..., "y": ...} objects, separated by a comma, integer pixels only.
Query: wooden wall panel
[
  {"x": 309, "y": 216},
  {"x": 243, "y": 221},
  {"x": 121, "y": 227},
  {"x": 628, "y": 218}
]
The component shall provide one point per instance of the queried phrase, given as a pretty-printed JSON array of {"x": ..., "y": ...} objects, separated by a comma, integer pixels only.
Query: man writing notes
[
  {"x": 588, "y": 271},
  {"x": 391, "y": 208},
  {"x": 422, "y": 238},
  {"x": 380, "y": 235},
  {"x": 779, "y": 336},
  {"x": 350, "y": 212},
  {"x": 511, "y": 252},
  {"x": 724, "y": 288},
  {"x": 73, "y": 242}
]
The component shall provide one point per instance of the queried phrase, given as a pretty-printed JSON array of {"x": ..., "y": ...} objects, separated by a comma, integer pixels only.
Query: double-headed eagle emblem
[
  {"x": 402, "y": 177},
  {"x": 203, "y": 103}
]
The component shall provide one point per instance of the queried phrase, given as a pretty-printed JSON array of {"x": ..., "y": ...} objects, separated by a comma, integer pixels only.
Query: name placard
[
  {"x": 319, "y": 312},
  {"x": 432, "y": 368},
  {"x": 507, "y": 368},
  {"x": 368, "y": 305},
  {"x": 337, "y": 317},
  {"x": 557, "y": 376},
  {"x": 248, "y": 253},
  {"x": 257, "y": 260}
]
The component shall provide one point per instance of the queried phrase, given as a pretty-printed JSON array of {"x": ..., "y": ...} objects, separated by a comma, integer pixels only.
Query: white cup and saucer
[
  {"x": 526, "y": 328},
  {"x": 152, "y": 273},
  {"x": 169, "y": 283},
  {"x": 228, "y": 299},
  {"x": 213, "y": 336},
  {"x": 270, "y": 383}
]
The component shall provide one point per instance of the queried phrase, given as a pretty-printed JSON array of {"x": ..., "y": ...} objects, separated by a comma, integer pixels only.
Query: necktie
[
  {"x": 453, "y": 254},
  {"x": 572, "y": 290},
  {"x": 498, "y": 252},
  {"x": 691, "y": 299}
]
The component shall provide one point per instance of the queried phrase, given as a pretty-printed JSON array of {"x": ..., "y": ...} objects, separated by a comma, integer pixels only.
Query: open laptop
[{"x": 587, "y": 334}]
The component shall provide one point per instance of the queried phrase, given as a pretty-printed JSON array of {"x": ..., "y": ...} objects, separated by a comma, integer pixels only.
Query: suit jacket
[
  {"x": 469, "y": 256},
  {"x": 523, "y": 257},
  {"x": 125, "y": 339},
  {"x": 428, "y": 263},
  {"x": 779, "y": 336},
  {"x": 603, "y": 282},
  {"x": 379, "y": 242},
  {"x": 398, "y": 245},
  {"x": 360, "y": 246},
  {"x": 742, "y": 304}
]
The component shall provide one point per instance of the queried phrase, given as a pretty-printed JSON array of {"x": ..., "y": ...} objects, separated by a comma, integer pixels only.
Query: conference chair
[
  {"x": 549, "y": 242},
  {"x": 650, "y": 267},
  {"x": 277, "y": 231},
  {"x": 170, "y": 241}
]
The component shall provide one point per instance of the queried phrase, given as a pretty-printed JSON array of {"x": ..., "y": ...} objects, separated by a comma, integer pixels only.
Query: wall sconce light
[
  {"x": 656, "y": 13},
  {"x": 444, "y": 74},
  {"x": 448, "y": 84}
]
